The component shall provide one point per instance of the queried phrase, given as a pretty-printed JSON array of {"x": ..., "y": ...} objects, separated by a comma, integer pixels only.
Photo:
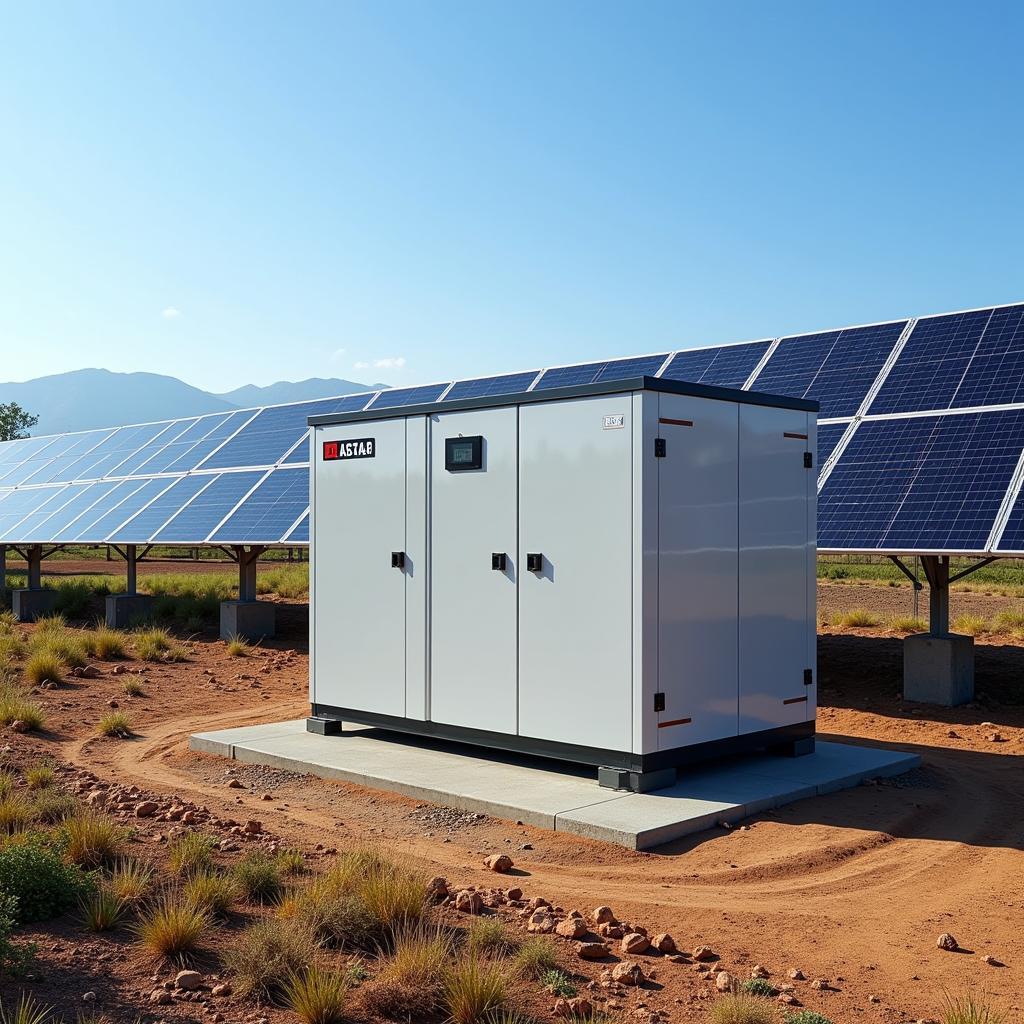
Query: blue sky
[{"x": 239, "y": 193}]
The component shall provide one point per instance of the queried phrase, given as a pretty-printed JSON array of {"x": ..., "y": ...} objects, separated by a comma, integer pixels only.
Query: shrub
[
  {"x": 970, "y": 1009},
  {"x": 64, "y": 647},
  {"x": 558, "y": 983},
  {"x": 857, "y": 617},
  {"x": 758, "y": 987},
  {"x": 102, "y": 911},
  {"x": 171, "y": 928},
  {"x": 906, "y": 624},
  {"x": 742, "y": 1008},
  {"x": 487, "y": 935},
  {"x": 130, "y": 880},
  {"x": 211, "y": 893},
  {"x": 191, "y": 853},
  {"x": 28, "y": 1011},
  {"x": 267, "y": 953},
  {"x": 43, "y": 665},
  {"x": 315, "y": 996},
  {"x": 411, "y": 982},
  {"x": 807, "y": 1017},
  {"x": 534, "y": 958},
  {"x": 259, "y": 877},
  {"x": 157, "y": 645},
  {"x": 51, "y": 806},
  {"x": 16, "y": 706},
  {"x": 73, "y": 599},
  {"x": 106, "y": 643},
  {"x": 16, "y": 813},
  {"x": 970, "y": 625},
  {"x": 92, "y": 840},
  {"x": 364, "y": 900},
  {"x": 40, "y": 776},
  {"x": 40, "y": 882},
  {"x": 116, "y": 724},
  {"x": 237, "y": 647},
  {"x": 291, "y": 862},
  {"x": 473, "y": 990},
  {"x": 133, "y": 687}
]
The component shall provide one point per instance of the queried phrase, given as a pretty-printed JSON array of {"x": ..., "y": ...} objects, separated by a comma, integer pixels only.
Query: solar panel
[
  {"x": 300, "y": 534},
  {"x": 200, "y": 517},
  {"x": 926, "y": 483},
  {"x": 835, "y": 368},
  {"x": 270, "y": 511},
  {"x": 397, "y": 397},
  {"x": 124, "y": 501},
  {"x": 957, "y": 361},
  {"x": 727, "y": 366},
  {"x": 149, "y": 518},
  {"x": 488, "y": 387},
  {"x": 273, "y": 432},
  {"x": 16, "y": 505},
  {"x": 829, "y": 435},
  {"x": 591, "y": 373}
]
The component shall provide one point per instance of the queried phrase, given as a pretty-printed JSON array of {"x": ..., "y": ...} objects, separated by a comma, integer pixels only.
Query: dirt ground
[{"x": 853, "y": 887}]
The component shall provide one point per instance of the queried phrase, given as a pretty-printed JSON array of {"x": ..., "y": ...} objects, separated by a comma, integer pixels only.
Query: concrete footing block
[
  {"x": 252, "y": 620},
  {"x": 938, "y": 669},
  {"x": 126, "y": 610},
  {"x": 28, "y": 605}
]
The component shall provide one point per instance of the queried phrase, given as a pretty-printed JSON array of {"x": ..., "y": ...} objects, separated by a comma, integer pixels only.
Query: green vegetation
[
  {"x": 1005, "y": 577},
  {"x": 133, "y": 687},
  {"x": 237, "y": 647},
  {"x": 14, "y": 957},
  {"x": 36, "y": 876},
  {"x": 28, "y": 1011},
  {"x": 316, "y": 996},
  {"x": 558, "y": 983},
  {"x": 534, "y": 958},
  {"x": 487, "y": 935},
  {"x": 130, "y": 881},
  {"x": 17, "y": 706},
  {"x": 267, "y": 953},
  {"x": 102, "y": 911},
  {"x": 291, "y": 862},
  {"x": 15, "y": 421},
  {"x": 92, "y": 841},
  {"x": 258, "y": 877},
  {"x": 907, "y": 624},
  {"x": 191, "y": 853},
  {"x": 40, "y": 776},
  {"x": 970, "y": 625},
  {"x": 170, "y": 927},
  {"x": 473, "y": 990},
  {"x": 971, "y": 1009},
  {"x": 107, "y": 644},
  {"x": 16, "y": 813},
  {"x": 758, "y": 987},
  {"x": 807, "y": 1017},
  {"x": 156, "y": 644},
  {"x": 211, "y": 893},
  {"x": 115, "y": 724},
  {"x": 856, "y": 617}
]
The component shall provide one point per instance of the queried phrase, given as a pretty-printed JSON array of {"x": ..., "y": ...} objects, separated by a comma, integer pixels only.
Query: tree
[{"x": 15, "y": 421}]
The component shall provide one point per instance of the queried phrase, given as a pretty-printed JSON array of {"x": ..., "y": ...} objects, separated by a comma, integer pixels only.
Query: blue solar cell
[
  {"x": 1012, "y": 539},
  {"x": 22, "y": 449},
  {"x": 151, "y": 518},
  {"x": 202, "y": 514},
  {"x": 275, "y": 430},
  {"x": 828, "y": 437},
  {"x": 486, "y": 387},
  {"x": 835, "y": 368},
  {"x": 67, "y": 504},
  {"x": 591, "y": 373},
  {"x": 299, "y": 456},
  {"x": 727, "y": 366},
  {"x": 115, "y": 450},
  {"x": 16, "y": 505},
  {"x": 123, "y": 501},
  {"x": 926, "y": 483},
  {"x": 396, "y": 397},
  {"x": 269, "y": 512},
  {"x": 957, "y": 361},
  {"x": 300, "y": 535}
]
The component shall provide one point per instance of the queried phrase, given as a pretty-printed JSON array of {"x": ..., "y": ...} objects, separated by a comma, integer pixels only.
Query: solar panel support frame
[
  {"x": 886, "y": 369},
  {"x": 761, "y": 363},
  {"x": 1006, "y": 509}
]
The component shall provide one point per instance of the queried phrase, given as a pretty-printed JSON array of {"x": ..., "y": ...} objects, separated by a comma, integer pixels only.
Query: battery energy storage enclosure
[{"x": 619, "y": 575}]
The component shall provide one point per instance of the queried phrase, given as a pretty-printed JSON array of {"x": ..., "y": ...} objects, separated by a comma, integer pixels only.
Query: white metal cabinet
[
  {"x": 697, "y": 567},
  {"x": 773, "y": 570},
  {"x": 575, "y": 614},
  {"x": 359, "y": 520},
  {"x": 473, "y": 624}
]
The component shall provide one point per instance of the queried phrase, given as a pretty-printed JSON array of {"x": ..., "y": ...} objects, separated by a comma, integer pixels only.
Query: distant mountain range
[{"x": 84, "y": 399}]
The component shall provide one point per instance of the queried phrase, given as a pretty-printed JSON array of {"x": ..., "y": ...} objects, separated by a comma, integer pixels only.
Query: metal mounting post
[
  {"x": 3, "y": 571},
  {"x": 131, "y": 564},
  {"x": 34, "y": 560},
  {"x": 247, "y": 559}
]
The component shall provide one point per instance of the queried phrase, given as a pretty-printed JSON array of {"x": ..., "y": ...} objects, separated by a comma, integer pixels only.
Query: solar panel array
[{"x": 920, "y": 444}]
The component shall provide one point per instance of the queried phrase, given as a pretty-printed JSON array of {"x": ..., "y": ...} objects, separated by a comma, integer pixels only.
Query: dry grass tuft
[
  {"x": 237, "y": 647},
  {"x": 211, "y": 893},
  {"x": 907, "y": 624},
  {"x": 315, "y": 996},
  {"x": 970, "y": 625},
  {"x": 971, "y": 1009},
  {"x": 171, "y": 928},
  {"x": 856, "y": 617},
  {"x": 534, "y": 958},
  {"x": 92, "y": 841},
  {"x": 130, "y": 881},
  {"x": 474, "y": 990},
  {"x": 40, "y": 776},
  {"x": 102, "y": 911},
  {"x": 741, "y": 1008},
  {"x": 106, "y": 643},
  {"x": 267, "y": 953},
  {"x": 258, "y": 876},
  {"x": 191, "y": 853},
  {"x": 116, "y": 724}
]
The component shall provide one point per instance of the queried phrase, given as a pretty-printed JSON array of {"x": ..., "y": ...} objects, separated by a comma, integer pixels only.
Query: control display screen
[{"x": 462, "y": 453}]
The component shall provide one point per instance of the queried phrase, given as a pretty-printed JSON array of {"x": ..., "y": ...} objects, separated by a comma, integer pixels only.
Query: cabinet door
[
  {"x": 575, "y": 612},
  {"x": 358, "y": 596},
  {"x": 697, "y": 571},
  {"x": 776, "y": 563},
  {"x": 473, "y": 606}
]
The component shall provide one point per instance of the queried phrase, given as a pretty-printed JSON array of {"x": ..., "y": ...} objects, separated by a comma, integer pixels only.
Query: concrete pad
[{"x": 550, "y": 795}]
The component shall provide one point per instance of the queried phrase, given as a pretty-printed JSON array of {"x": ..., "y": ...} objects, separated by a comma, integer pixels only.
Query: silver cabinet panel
[
  {"x": 473, "y": 607},
  {"x": 697, "y": 571},
  {"x": 358, "y": 598},
  {"x": 775, "y": 548},
  {"x": 575, "y": 614}
]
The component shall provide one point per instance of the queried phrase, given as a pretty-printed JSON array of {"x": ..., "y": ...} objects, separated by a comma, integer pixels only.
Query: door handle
[
  {"x": 499, "y": 561},
  {"x": 535, "y": 561},
  {"x": 397, "y": 559}
]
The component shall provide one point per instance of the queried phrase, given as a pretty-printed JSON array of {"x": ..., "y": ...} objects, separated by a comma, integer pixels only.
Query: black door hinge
[
  {"x": 660, "y": 448},
  {"x": 659, "y": 702},
  {"x": 808, "y": 460},
  {"x": 808, "y": 677}
]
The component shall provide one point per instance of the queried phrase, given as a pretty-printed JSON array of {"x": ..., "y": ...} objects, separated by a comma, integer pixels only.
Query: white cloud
[
  {"x": 390, "y": 363},
  {"x": 360, "y": 366},
  {"x": 337, "y": 354},
  {"x": 170, "y": 313}
]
